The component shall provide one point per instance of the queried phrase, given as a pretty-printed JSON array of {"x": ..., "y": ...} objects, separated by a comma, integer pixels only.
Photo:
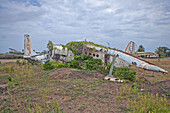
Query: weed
[
  {"x": 74, "y": 64},
  {"x": 11, "y": 82},
  {"x": 125, "y": 73},
  {"x": 60, "y": 65},
  {"x": 82, "y": 107},
  {"x": 50, "y": 106},
  {"x": 149, "y": 103},
  {"x": 48, "y": 66},
  {"x": 137, "y": 102},
  {"x": 24, "y": 62},
  {"x": 124, "y": 109},
  {"x": 18, "y": 62}
]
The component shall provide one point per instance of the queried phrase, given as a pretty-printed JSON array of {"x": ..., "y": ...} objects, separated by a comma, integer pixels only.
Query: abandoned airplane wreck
[
  {"x": 64, "y": 54},
  {"x": 67, "y": 52}
]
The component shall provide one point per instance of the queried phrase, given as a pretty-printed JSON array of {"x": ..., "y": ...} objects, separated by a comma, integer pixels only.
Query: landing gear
[{"x": 110, "y": 77}]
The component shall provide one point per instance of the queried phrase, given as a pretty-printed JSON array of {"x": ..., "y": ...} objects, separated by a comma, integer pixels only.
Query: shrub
[
  {"x": 10, "y": 78},
  {"x": 92, "y": 64},
  {"x": 48, "y": 66},
  {"x": 125, "y": 73},
  {"x": 74, "y": 64},
  {"x": 60, "y": 65},
  {"x": 10, "y": 82},
  {"x": 24, "y": 62},
  {"x": 18, "y": 62},
  {"x": 78, "y": 61},
  {"x": 86, "y": 61}
]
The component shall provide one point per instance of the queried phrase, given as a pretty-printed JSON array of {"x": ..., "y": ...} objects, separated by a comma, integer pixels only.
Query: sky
[{"x": 117, "y": 22}]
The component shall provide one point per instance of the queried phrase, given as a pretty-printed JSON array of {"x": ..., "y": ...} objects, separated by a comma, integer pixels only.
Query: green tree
[
  {"x": 50, "y": 46},
  {"x": 141, "y": 49},
  {"x": 163, "y": 51}
]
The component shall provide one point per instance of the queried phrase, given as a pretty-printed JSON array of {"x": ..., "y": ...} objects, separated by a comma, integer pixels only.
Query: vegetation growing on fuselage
[{"x": 77, "y": 47}]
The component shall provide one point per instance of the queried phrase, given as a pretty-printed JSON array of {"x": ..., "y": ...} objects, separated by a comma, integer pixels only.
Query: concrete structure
[{"x": 61, "y": 53}]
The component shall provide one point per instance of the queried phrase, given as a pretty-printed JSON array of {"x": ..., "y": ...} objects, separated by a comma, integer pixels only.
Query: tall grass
[
  {"x": 148, "y": 103},
  {"x": 138, "y": 102},
  {"x": 20, "y": 73},
  {"x": 22, "y": 99},
  {"x": 29, "y": 105}
]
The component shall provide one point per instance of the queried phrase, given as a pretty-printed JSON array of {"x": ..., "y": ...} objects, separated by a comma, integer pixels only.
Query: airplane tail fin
[{"x": 28, "y": 52}]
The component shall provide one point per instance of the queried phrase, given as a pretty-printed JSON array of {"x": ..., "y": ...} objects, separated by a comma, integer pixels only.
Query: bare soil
[
  {"x": 162, "y": 88},
  {"x": 95, "y": 95}
]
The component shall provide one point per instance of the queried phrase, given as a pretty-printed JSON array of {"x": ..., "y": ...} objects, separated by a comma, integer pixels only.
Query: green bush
[
  {"x": 10, "y": 82},
  {"x": 104, "y": 68},
  {"x": 88, "y": 62},
  {"x": 78, "y": 61},
  {"x": 125, "y": 73},
  {"x": 48, "y": 66},
  {"x": 74, "y": 64},
  {"x": 10, "y": 78},
  {"x": 24, "y": 62},
  {"x": 92, "y": 64},
  {"x": 18, "y": 62},
  {"x": 82, "y": 57},
  {"x": 60, "y": 65}
]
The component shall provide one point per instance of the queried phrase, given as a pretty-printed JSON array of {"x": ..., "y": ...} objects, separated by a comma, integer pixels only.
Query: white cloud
[{"x": 109, "y": 10}]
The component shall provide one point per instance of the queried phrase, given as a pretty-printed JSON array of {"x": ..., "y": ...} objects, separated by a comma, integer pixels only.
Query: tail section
[{"x": 28, "y": 52}]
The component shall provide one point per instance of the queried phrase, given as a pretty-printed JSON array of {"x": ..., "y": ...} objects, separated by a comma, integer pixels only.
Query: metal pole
[{"x": 112, "y": 66}]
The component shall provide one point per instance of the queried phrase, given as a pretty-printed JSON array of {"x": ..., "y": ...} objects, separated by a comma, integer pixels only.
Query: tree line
[{"x": 161, "y": 51}]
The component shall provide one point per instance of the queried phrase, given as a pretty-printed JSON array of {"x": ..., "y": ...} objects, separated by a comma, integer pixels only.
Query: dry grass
[
  {"x": 153, "y": 77},
  {"x": 3, "y": 61}
]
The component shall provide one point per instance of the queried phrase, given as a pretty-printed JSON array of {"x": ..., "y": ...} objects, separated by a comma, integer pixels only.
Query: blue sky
[{"x": 145, "y": 22}]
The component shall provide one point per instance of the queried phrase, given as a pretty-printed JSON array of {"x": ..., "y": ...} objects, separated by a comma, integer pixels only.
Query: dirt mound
[
  {"x": 61, "y": 72},
  {"x": 64, "y": 73}
]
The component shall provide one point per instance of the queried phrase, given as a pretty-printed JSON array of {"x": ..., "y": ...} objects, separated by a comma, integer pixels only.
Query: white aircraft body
[{"x": 136, "y": 61}]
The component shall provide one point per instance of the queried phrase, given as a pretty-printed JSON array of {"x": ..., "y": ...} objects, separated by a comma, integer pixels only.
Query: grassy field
[{"x": 28, "y": 88}]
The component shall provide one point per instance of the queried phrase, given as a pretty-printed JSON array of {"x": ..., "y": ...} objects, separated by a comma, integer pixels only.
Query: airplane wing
[{"x": 136, "y": 61}]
